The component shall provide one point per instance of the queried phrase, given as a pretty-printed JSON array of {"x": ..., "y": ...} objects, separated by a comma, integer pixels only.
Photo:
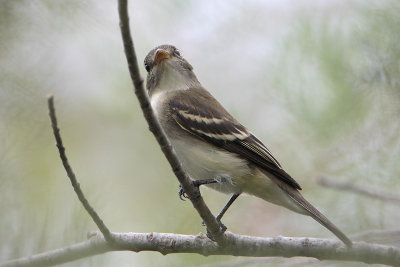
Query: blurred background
[{"x": 322, "y": 77}]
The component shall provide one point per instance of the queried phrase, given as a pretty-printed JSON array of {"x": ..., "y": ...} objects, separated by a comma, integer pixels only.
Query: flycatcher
[{"x": 212, "y": 145}]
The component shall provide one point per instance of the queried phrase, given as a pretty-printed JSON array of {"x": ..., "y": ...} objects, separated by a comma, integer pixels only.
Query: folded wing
[{"x": 200, "y": 114}]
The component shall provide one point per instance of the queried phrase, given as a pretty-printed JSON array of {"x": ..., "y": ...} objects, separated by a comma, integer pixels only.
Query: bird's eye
[
  {"x": 177, "y": 52},
  {"x": 147, "y": 67}
]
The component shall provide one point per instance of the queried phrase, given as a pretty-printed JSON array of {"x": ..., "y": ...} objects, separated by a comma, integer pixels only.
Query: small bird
[{"x": 213, "y": 147}]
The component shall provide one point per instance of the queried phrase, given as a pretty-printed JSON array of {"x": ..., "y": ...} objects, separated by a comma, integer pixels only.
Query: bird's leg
[
  {"x": 219, "y": 179},
  {"x": 219, "y": 216},
  {"x": 197, "y": 183},
  {"x": 230, "y": 202}
]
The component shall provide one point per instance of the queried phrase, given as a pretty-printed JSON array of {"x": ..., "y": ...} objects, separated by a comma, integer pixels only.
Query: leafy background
[{"x": 317, "y": 81}]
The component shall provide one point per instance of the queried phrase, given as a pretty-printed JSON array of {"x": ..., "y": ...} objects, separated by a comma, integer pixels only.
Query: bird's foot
[
  {"x": 196, "y": 184},
  {"x": 181, "y": 193},
  {"x": 222, "y": 230}
]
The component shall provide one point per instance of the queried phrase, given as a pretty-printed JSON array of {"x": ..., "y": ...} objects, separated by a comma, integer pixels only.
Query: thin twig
[
  {"x": 212, "y": 225},
  {"x": 362, "y": 190},
  {"x": 237, "y": 245},
  {"x": 97, "y": 220}
]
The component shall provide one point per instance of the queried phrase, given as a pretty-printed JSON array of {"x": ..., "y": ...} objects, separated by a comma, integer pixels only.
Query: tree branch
[
  {"x": 362, "y": 190},
  {"x": 194, "y": 195},
  {"x": 98, "y": 221},
  {"x": 237, "y": 245}
]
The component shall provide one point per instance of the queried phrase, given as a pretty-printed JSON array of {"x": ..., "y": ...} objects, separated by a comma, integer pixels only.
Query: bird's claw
[
  {"x": 181, "y": 193},
  {"x": 223, "y": 228}
]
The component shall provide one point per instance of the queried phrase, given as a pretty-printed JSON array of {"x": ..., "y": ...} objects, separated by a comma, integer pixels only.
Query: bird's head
[{"x": 168, "y": 70}]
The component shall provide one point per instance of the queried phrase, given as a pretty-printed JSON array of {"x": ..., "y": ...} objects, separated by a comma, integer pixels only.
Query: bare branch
[
  {"x": 237, "y": 245},
  {"x": 362, "y": 190},
  {"x": 103, "y": 228},
  {"x": 193, "y": 193}
]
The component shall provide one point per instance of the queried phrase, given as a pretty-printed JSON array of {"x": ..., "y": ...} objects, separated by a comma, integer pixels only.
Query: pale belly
[{"x": 202, "y": 161}]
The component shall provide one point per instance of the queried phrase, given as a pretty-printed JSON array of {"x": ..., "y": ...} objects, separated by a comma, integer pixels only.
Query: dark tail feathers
[{"x": 316, "y": 215}]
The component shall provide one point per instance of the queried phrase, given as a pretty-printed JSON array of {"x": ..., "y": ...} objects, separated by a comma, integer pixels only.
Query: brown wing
[{"x": 197, "y": 112}]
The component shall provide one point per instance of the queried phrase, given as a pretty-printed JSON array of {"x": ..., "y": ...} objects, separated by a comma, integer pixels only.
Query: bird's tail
[{"x": 315, "y": 214}]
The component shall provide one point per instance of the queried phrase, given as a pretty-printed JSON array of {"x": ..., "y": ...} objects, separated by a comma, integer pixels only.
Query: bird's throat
[{"x": 172, "y": 78}]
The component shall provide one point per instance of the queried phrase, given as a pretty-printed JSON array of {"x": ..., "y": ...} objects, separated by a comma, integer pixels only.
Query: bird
[{"x": 213, "y": 147}]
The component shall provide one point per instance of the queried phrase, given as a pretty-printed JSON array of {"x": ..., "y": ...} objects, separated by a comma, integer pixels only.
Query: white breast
[
  {"x": 155, "y": 100},
  {"x": 203, "y": 161}
]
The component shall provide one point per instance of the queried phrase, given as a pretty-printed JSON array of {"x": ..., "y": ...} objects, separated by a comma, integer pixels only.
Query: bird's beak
[{"x": 161, "y": 54}]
